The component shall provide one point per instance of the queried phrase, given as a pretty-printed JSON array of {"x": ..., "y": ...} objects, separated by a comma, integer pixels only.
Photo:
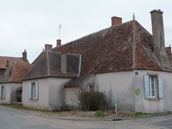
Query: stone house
[
  {"x": 124, "y": 61},
  {"x": 12, "y": 70},
  {"x": 128, "y": 64}
]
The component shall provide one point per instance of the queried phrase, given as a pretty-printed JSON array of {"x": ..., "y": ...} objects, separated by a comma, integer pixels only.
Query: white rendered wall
[
  {"x": 117, "y": 86},
  {"x": 51, "y": 93},
  {"x": 71, "y": 97},
  {"x": 153, "y": 106},
  {"x": 10, "y": 92}
]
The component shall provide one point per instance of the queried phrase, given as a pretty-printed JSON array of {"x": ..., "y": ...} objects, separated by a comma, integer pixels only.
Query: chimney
[
  {"x": 7, "y": 65},
  {"x": 24, "y": 55},
  {"x": 48, "y": 47},
  {"x": 116, "y": 20},
  {"x": 7, "y": 71},
  {"x": 58, "y": 42},
  {"x": 63, "y": 60},
  {"x": 158, "y": 37},
  {"x": 168, "y": 49}
]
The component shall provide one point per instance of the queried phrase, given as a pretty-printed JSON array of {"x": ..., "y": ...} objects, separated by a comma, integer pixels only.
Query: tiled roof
[
  {"x": 104, "y": 51},
  {"x": 19, "y": 71},
  {"x": 111, "y": 50},
  {"x": 48, "y": 64},
  {"x": 15, "y": 71},
  {"x": 11, "y": 60}
]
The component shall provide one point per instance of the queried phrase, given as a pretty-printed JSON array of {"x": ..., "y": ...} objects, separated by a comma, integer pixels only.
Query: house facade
[
  {"x": 124, "y": 61},
  {"x": 12, "y": 69},
  {"x": 128, "y": 64}
]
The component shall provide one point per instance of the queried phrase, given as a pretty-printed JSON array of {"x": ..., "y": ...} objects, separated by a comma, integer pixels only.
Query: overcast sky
[{"x": 29, "y": 24}]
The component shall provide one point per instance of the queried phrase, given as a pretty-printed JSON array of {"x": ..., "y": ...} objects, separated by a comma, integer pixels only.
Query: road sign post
[
  {"x": 116, "y": 107},
  {"x": 116, "y": 110}
]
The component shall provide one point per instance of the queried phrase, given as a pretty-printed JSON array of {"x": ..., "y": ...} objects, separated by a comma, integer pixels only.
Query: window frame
[
  {"x": 33, "y": 91},
  {"x": 158, "y": 87},
  {"x": 155, "y": 83},
  {"x": 2, "y": 95}
]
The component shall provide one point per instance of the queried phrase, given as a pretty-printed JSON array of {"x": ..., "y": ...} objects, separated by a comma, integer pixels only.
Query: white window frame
[
  {"x": 33, "y": 91},
  {"x": 158, "y": 86},
  {"x": 153, "y": 86}
]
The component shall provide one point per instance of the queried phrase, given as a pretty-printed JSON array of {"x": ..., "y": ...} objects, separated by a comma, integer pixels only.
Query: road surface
[{"x": 17, "y": 119}]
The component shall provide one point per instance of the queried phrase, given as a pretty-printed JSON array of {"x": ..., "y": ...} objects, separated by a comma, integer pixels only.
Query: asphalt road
[{"x": 16, "y": 119}]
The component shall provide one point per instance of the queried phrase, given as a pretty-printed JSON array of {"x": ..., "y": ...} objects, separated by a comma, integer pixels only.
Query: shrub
[
  {"x": 99, "y": 113},
  {"x": 91, "y": 101},
  {"x": 102, "y": 107}
]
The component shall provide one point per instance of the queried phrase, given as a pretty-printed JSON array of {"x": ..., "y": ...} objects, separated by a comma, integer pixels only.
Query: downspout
[{"x": 79, "y": 71}]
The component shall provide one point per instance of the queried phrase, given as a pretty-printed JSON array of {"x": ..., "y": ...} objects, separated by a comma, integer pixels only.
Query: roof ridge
[
  {"x": 134, "y": 44},
  {"x": 146, "y": 31}
]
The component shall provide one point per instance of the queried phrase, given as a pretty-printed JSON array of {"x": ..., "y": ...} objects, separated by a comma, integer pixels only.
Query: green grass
[
  {"x": 138, "y": 114},
  {"x": 20, "y": 107},
  {"x": 98, "y": 114}
]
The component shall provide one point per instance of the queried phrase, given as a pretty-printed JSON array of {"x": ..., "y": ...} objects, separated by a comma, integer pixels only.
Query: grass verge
[
  {"x": 24, "y": 108},
  {"x": 105, "y": 115}
]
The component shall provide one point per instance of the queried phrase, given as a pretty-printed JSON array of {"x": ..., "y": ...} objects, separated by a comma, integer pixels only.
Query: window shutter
[
  {"x": 30, "y": 91},
  {"x": 37, "y": 90},
  {"x": 0, "y": 92},
  {"x": 4, "y": 91},
  {"x": 160, "y": 84},
  {"x": 146, "y": 86}
]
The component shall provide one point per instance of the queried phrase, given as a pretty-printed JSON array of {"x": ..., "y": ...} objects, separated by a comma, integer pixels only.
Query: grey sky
[{"x": 29, "y": 24}]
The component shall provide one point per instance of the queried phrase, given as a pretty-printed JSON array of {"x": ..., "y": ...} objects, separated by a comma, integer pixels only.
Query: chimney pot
[
  {"x": 58, "y": 42},
  {"x": 116, "y": 21},
  {"x": 48, "y": 47},
  {"x": 156, "y": 11},
  {"x": 63, "y": 49}
]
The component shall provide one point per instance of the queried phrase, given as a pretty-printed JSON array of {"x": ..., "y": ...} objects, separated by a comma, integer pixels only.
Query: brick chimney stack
[
  {"x": 24, "y": 55},
  {"x": 63, "y": 60},
  {"x": 168, "y": 49},
  {"x": 116, "y": 20},
  {"x": 8, "y": 64},
  {"x": 58, "y": 42},
  {"x": 7, "y": 71},
  {"x": 48, "y": 47},
  {"x": 158, "y": 37}
]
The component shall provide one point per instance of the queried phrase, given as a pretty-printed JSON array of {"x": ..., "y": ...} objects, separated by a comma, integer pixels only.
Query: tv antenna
[
  {"x": 134, "y": 16},
  {"x": 60, "y": 26}
]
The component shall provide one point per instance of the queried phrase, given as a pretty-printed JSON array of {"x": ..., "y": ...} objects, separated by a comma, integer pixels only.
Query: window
[
  {"x": 153, "y": 87},
  {"x": 33, "y": 91},
  {"x": 2, "y": 92}
]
